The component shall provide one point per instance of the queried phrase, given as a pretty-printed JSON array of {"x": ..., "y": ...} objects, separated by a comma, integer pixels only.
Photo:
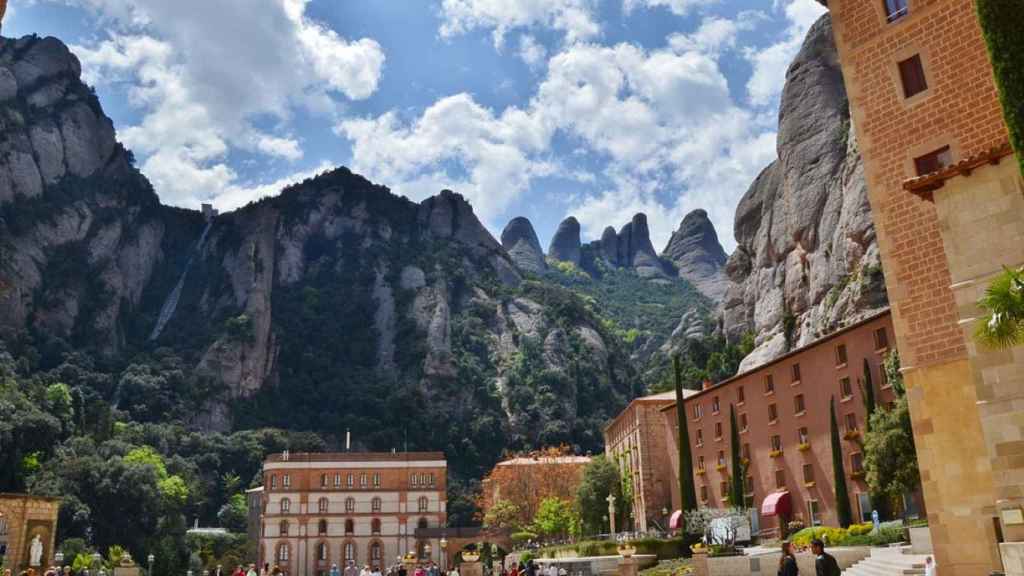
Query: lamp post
[
  {"x": 444, "y": 554},
  {"x": 611, "y": 513},
  {"x": 150, "y": 559},
  {"x": 59, "y": 559}
]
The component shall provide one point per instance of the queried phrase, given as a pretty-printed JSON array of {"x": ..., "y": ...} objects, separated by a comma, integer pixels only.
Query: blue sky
[{"x": 541, "y": 108}]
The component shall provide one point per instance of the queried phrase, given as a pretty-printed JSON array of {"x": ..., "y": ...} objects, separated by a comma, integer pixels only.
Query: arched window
[
  {"x": 375, "y": 505},
  {"x": 321, "y": 551},
  {"x": 323, "y": 480},
  {"x": 362, "y": 480},
  {"x": 375, "y": 525},
  {"x": 350, "y": 552},
  {"x": 286, "y": 505},
  {"x": 283, "y": 529},
  {"x": 350, "y": 526},
  {"x": 422, "y": 523},
  {"x": 321, "y": 527},
  {"x": 283, "y": 552},
  {"x": 273, "y": 481},
  {"x": 424, "y": 504},
  {"x": 350, "y": 505},
  {"x": 376, "y": 554},
  {"x": 322, "y": 504}
]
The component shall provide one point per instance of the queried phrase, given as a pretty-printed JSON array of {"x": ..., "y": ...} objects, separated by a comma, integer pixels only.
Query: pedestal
[
  {"x": 700, "y": 563},
  {"x": 126, "y": 571},
  {"x": 471, "y": 569},
  {"x": 628, "y": 566}
]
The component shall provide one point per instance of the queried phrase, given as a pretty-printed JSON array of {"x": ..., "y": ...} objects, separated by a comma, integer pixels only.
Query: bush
[
  {"x": 856, "y": 535},
  {"x": 523, "y": 537},
  {"x": 860, "y": 529},
  {"x": 663, "y": 549},
  {"x": 597, "y": 548}
]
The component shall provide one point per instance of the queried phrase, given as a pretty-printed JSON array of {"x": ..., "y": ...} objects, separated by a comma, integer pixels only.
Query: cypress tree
[
  {"x": 842, "y": 493},
  {"x": 736, "y": 490},
  {"x": 870, "y": 404},
  {"x": 687, "y": 490}
]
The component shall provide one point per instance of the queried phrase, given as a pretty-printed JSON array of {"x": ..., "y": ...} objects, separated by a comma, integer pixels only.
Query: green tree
[
  {"x": 1002, "y": 325},
  {"x": 890, "y": 457},
  {"x": 234, "y": 514},
  {"x": 600, "y": 479},
  {"x": 1001, "y": 22},
  {"x": 870, "y": 404},
  {"x": 503, "y": 514},
  {"x": 556, "y": 517},
  {"x": 686, "y": 485},
  {"x": 736, "y": 497},
  {"x": 843, "y": 510}
]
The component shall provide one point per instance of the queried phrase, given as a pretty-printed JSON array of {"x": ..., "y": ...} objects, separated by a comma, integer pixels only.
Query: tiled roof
[
  {"x": 530, "y": 460},
  {"x": 925, "y": 186}
]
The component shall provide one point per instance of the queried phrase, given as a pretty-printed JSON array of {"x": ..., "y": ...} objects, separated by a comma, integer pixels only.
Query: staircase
[{"x": 888, "y": 562}]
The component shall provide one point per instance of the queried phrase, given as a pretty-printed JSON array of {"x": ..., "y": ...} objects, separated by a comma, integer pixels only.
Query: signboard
[{"x": 721, "y": 527}]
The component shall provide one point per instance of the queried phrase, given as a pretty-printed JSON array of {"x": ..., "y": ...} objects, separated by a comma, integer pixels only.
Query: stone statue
[{"x": 35, "y": 552}]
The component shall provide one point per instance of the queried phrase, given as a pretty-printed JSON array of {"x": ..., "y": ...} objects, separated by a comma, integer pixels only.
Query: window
[
  {"x": 422, "y": 524},
  {"x": 350, "y": 505},
  {"x": 881, "y": 339},
  {"x": 794, "y": 373},
  {"x": 744, "y": 425},
  {"x": 350, "y": 552},
  {"x": 286, "y": 505},
  {"x": 912, "y": 76},
  {"x": 851, "y": 422},
  {"x": 841, "y": 355},
  {"x": 718, "y": 430},
  {"x": 700, "y": 437},
  {"x": 376, "y": 479},
  {"x": 721, "y": 457},
  {"x": 933, "y": 161},
  {"x": 322, "y": 505},
  {"x": 283, "y": 552},
  {"x": 273, "y": 481},
  {"x": 375, "y": 526},
  {"x": 430, "y": 477},
  {"x": 337, "y": 480},
  {"x": 814, "y": 512},
  {"x": 716, "y": 407},
  {"x": 745, "y": 452},
  {"x": 724, "y": 487},
  {"x": 700, "y": 463},
  {"x": 375, "y": 505},
  {"x": 864, "y": 504},
  {"x": 286, "y": 481},
  {"x": 282, "y": 528},
  {"x": 323, "y": 480},
  {"x": 375, "y": 554},
  {"x": 741, "y": 395},
  {"x": 776, "y": 443},
  {"x": 780, "y": 478},
  {"x": 321, "y": 552},
  {"x": 350, "y": 480},
  {"x": 802, "y": 436},
  {"x": 698, "y": 411},
  {"x": 808, "y": 473},
  {"x": 704, "y": 493},
  {"x": 423, "y": 504},
  {"x": 414, "y": 480},
  {"x": 769, "y": 384},
  {"x": 857, "y": 463},
  {"x": 884, "y": 375},
  {"x": 895, "y": 9},
  {"x": 321, "y": 527},
  {"x": 845, "y": 388},
  {"x": 363, "y": 478},
  {"x": 773, "y": 413},
  {"x": 798, "y": 404},
  {"x": 350, "y": 526}
]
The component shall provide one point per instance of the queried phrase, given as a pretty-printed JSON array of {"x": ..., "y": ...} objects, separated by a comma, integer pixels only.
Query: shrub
[
  {"x": 663, "y": 549},
  {"x": 861, "y": 529},
  {"x": 523, "y": 537}
]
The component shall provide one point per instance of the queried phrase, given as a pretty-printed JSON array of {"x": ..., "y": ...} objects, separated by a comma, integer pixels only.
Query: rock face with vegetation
[
  {"x": 698, "y": 256},
  {"x": 807, "y": 262},
  {"x": 520, "y": 241}
]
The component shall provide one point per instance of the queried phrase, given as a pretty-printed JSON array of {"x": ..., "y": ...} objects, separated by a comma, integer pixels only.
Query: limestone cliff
[
  {"x": 807, "y": 262},
  {"x": 520, "y": 240},
  {"x": 698, "y": 256}
]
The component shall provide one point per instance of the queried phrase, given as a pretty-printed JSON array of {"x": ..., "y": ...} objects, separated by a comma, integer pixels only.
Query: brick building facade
[
  {"x": 22, "y": 518},
  {"x": 783, "y": 418},
  {"x": 636, "y": 441},
  {"x": 947, "y": 200},
  {"x": 322, "y": 509}
]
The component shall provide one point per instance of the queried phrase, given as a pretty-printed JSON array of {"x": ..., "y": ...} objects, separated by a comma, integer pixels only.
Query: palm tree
[{"x": 1002, "y": 326}]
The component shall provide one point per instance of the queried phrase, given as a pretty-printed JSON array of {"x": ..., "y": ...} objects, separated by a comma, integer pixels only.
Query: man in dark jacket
[{"x": 824, "y": 563}]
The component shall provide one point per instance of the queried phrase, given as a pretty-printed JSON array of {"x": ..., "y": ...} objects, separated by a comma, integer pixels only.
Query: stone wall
[
  {"x": 767, "y": 564},
  {"x": 25, "y": 516}
]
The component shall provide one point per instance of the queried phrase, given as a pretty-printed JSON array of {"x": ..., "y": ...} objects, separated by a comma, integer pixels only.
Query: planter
[
  {"x": 775, "y": 453},
  {"x": 809, "y": 484},
  {"x": 804, "y": 447},
  {"x": 701, "y": 472},
  {"x": 851, "y": 434},
  {"x": 720, "y": 467}
]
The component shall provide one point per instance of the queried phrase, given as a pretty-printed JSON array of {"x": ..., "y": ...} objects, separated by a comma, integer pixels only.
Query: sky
[{"x": 539, "y": 108}]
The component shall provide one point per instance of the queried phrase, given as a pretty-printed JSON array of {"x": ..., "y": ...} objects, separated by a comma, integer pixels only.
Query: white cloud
[
  {"x": 658, "y": 121},
  {"x": 203, "y": 73},
  {"x": 680, "y": 7},
  {"x": 770, "y": 63},
  {"x": 531, "y": 51},
  {"x": 575, "y": 18},
  {"x": 715, "y": 34}
]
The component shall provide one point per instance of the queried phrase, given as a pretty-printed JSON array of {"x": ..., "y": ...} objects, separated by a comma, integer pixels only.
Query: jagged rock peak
[
  {"x": 610, "y": 246},
  {"x": 520, "y": 241},
  {"x": 698, "y": 256},
  {"x": 449, "y": 215},
  {"x": 566, "y": 244}
]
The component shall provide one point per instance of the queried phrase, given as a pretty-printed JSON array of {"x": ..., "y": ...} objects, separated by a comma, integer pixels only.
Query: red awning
[
  {"x": 776, "y": 504},
  {"x": 675, "y": 522}
]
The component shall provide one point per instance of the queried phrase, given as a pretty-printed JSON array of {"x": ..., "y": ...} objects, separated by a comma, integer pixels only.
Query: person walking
[
  {"x": 335, "y": 571},
  {"x": 787, "y": 564},
  {"x": 824, "y": 563},
  {"x": 929, "y": 566}
]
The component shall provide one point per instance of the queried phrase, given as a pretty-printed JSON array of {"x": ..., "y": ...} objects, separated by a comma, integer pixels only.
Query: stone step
[{"x": 875, "y": 566}]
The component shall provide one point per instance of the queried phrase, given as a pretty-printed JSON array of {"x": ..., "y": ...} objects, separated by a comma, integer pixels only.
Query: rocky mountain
[
  {"x": 697, "y": 255},
  {"x": 336, "y": 305},
  {"x": 565, "y": 244},
  {"x": 807, "y": 261}
]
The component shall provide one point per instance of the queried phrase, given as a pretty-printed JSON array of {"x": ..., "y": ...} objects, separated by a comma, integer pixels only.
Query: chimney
[{"x": 708, "y": 384}]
